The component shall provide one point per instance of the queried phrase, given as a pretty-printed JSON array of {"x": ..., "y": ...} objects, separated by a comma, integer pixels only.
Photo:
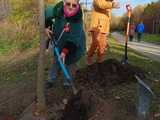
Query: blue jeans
[{"x": 54, "y": 73}]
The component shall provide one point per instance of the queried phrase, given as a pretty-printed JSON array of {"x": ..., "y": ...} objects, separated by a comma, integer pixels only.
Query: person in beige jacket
[{"x": 100, "y": 25}]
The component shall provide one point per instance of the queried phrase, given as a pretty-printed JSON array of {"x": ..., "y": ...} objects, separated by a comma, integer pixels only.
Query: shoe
[{"x": 49, "y": 85}]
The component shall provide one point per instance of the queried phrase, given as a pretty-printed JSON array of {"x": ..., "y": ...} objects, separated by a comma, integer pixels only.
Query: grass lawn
[
  {"x": 20, "y": 70},
  {"x": 151, "y": 38},
  {"x": 15, "y": 71}
]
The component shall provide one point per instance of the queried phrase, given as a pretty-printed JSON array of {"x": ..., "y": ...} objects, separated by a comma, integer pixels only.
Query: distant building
[
  {"x": 152, "y": 22},
  {"x": 152, "y": 25}
]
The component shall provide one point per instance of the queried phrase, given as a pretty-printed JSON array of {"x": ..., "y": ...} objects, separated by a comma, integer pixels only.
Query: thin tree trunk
[
  {"x": 41, "y": 104},
  {"x": 4, "y": 8},
  {"x": 1, "y": 8}
]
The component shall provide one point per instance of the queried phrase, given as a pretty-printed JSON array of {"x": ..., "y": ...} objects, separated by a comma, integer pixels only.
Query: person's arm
[
  {"x": 69, "y": 48},
  {"x": 49, "y": 15}
]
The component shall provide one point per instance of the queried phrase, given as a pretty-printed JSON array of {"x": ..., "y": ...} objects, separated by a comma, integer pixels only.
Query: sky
[{"x": 122, "y": 10}]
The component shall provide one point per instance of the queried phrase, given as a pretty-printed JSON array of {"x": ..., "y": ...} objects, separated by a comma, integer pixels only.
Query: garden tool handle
[
  {"x": 65, "y": 29},
  {"x": 69, "y": 80},
  {"x": 65, "y": 71},
  {"x": 62, "y": 66},
  {"x": 129, "y": 8}
]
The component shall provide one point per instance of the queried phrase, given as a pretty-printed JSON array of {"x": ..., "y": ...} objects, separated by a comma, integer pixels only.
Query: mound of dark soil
[{"x": 110, "y": 72}]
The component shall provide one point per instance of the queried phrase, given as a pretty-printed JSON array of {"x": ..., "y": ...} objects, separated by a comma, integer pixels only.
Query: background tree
[
  {"x": 115, "y": 23},
  {"x": 137, "y": 13},
  {"x": 151, "y": 17}
]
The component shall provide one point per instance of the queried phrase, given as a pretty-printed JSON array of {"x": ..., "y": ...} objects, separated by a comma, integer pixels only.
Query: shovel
[
  {"x": 129, "y": 11},
  {"x": 60, "y": 61}
]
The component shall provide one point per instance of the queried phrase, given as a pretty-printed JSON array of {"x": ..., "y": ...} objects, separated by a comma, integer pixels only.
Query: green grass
[
  {"x": 25, "y": 70},
  {"x": 5, "y": 46},
  {"x": 11, "y": 46},
  {"x": 18, "y": 31},
  {"x": 21, "y": 70},
  {"x": 153, "y": 38},
  {"x": 121, "y": 32}
]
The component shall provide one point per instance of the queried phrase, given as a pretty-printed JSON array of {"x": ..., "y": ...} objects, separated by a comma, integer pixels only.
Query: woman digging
[{"x": 72, "y": 43}]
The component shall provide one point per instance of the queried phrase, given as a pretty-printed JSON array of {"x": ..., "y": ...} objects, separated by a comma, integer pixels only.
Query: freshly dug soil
[
  {"x": 75, "y": 109},
  {"x": 110, "y": 72},
  {"x": 89, "y": 105}
]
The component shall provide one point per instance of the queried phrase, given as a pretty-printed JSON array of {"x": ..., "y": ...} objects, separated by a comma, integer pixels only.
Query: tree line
[{"x": 149, "y": 14}]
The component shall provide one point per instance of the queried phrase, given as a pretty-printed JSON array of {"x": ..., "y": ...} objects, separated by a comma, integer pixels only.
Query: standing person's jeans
[
  {"x": 139, "y": 36},
  {"x": 55, "y": 69},
  {"x": 131, "y": 38}
]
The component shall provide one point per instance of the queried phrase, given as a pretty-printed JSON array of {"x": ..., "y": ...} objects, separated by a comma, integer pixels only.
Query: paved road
[{"x": 148, "y": 49}]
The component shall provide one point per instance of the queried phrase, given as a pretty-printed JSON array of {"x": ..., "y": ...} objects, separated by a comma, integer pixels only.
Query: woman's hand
[
  {"x": 63, "y": 56},
  {"x": 48, "y": 32}
]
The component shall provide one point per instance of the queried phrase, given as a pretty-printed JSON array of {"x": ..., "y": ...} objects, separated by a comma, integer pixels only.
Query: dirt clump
[{"x": 110, "y": 72}]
